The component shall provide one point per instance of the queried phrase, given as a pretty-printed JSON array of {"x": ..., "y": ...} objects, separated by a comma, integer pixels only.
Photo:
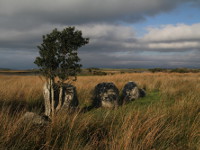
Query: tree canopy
[{"x": 58, "y": 53}]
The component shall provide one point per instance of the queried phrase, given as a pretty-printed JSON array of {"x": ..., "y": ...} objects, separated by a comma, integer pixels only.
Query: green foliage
[
  {"x": 101, "y": 73},
  {"x": 58, "y": 53},
  {"x": 150, "y": 99},
  {"x": 176, "y": 70},
  {"x": 184, "y": 70},
  {"x": 157, "y": 70},
  {"x": 48, "y": 61}
]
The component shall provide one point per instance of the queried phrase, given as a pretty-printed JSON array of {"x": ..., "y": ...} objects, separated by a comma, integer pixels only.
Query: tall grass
[{"x": 167, "y": 118}]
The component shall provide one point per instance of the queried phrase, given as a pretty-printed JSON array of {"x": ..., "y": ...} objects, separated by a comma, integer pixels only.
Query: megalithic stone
[
  {"x": 47, "y": 102},
  {"x": 69, "y": 98},
  {"x": 131, "y": 92},
  {"x": 105, "y": 94}
]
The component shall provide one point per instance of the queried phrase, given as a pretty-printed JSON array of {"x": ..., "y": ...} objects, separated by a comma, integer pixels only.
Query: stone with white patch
[
  {"x": 68, "y": 98},
  {"x": 106, "y": 94},
  {"x": 131, "y": 92}
]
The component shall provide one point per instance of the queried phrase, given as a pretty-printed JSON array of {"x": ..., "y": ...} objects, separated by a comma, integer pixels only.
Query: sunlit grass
[{"x": 167, "y": 118}]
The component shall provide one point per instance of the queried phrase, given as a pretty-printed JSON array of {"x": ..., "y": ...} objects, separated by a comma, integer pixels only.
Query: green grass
[{"x": 150, "y": 99}]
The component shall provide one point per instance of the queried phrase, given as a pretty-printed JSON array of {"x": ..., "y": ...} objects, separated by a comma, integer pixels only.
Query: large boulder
[
  {"x": 131, "y": 92},
  {"x": 34, "y": 119},
  {"x": 105, "y": 94}
]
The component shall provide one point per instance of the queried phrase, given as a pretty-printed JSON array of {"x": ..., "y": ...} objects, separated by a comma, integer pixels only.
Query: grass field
[{"x": 168, "y": 118}]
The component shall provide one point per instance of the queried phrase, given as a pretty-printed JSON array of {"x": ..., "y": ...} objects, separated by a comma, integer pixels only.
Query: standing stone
[
  {"x": 69, "y": 98},
  {"x": 106, "y": 95},
  {"x": 131, "y": 92}
]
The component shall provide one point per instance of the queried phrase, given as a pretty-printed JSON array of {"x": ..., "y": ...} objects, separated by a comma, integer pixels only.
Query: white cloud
[
  {"x": 173, "y": 32},
  {"x": 169, "y": 37},
  {"x": 117, "y": 32},
  {"x": 173, "y": 37},
  {"x": 113, "y": 37},
  {"x": 117, "y": 46},
  {"x": 174, "y": 45}
]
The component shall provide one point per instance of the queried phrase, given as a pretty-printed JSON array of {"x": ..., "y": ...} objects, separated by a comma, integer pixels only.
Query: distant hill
[{"x": 5, "y": 69}]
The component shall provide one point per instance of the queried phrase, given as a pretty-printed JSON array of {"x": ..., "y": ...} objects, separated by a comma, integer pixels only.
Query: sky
[{"x": 123, "y": 33}]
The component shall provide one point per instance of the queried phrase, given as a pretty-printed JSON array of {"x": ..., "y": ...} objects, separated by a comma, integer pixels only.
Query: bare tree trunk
[
  {"x": 47, "y": 98},
  {"x": 52, "y": 97}
]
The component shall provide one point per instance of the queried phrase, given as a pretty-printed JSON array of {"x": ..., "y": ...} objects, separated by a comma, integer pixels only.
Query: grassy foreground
[{"x": 167, "y": 118}]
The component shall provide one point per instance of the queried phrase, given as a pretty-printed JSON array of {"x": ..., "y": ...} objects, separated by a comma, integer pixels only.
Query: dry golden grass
[
  {"x": 30, "y": 87},
  {"x": 173, "y": 122},
  {"x": 20, "y": 87}
]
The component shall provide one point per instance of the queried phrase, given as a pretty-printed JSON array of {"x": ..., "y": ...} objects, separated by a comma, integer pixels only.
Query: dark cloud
[
  {"x": 26, "y": 38},
  {"x": 24, "y": 13},
  {"x": 23, "y": 22},
  {"x": 140, "y": 60},
  {"x": 108, "y": 48},
  {"x": 17, "y": 59}
]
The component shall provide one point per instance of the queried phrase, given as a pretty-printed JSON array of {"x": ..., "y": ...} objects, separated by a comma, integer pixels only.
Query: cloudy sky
[{"x": 123, "y": 33}]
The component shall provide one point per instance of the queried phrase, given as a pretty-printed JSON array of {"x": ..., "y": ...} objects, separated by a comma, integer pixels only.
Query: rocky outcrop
[
  {"x": 131, "y": 92},
  {"x": 105, "y": 94}
]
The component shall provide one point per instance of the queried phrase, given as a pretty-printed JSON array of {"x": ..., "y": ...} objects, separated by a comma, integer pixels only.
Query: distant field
[
  {"x": 167, "y": 118},
  {"x": 19, "y": 72},
  {"x": 103, "y": 71},
  {"x": 83, "y": 71}
]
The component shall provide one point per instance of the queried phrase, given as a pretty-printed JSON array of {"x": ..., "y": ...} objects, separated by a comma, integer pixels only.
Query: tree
[{"x": 59, "y": 58}]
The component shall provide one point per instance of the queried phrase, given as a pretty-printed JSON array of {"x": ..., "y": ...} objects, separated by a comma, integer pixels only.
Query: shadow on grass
[
  {"x": 16, "y": 106},
  {"x": 37, "y": 105},
  {"x": 142, "y": 103}
]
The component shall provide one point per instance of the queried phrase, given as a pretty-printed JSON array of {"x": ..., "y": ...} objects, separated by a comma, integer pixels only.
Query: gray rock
[
  {"x": 34, "y": 119},
  {"x": 106, "y": 95},
  {"x": 69, "y": 98},
  {"x": 131, "y": 92},
  {"x": 142, "y": 93}
]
